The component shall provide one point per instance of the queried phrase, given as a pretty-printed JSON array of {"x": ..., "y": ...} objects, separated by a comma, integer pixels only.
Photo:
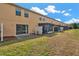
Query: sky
[{"x": 64, "y": 12}]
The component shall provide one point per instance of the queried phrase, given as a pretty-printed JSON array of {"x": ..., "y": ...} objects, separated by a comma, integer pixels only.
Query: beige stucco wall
[{"x": 9, "y": 19}]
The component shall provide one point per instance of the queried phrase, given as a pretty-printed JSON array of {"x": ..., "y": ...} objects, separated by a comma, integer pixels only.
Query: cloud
[
  {"x": 58, "y": 19},
  {"x": 73, "y": 20},
  {"x": 51, "y": 9},
  {"x": 41, "y": 11},
  {"x": 70, "y": 9},
  {"x": 67, "y": 14},
  {"x": 63, "y": 11}
]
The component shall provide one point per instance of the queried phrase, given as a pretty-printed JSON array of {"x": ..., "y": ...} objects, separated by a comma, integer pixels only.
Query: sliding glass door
[{"x": 21, "y": 29}]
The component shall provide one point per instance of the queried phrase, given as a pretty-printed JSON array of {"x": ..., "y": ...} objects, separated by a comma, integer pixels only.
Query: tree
[{"x": 75, "y": 25}]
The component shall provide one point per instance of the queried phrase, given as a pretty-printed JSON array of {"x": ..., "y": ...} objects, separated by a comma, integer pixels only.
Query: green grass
[
  {"x": 61, "y": 43},
  {"x": 37, "y": 46}
]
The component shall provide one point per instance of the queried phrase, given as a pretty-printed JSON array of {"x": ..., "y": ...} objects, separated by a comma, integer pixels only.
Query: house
[{"x": 18, "y": 21}]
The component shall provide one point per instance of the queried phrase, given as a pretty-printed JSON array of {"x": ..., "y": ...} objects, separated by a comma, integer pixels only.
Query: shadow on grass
[{"x": 8, "y": 42}]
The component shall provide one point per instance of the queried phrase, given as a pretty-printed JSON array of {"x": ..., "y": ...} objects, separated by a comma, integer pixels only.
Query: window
[
  {"x": 40, "y": 18},
  {"x": 26, "y": 15},
  {"x": 18, "y": 12},
  {"x": 43, "y": 19},
  {"x": 21, "y": 29}
]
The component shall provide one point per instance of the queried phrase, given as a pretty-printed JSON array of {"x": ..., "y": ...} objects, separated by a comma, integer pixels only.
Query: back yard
[
  {"x": 66, "y": 43},
  {"x": 62, "y": 43}
]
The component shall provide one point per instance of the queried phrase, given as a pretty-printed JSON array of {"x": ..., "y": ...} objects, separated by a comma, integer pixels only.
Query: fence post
[{"x": 1, "y": 32}]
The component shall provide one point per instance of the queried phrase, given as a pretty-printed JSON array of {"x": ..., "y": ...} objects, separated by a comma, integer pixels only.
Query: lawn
[
  {"x": 65, "y": 44},
  {"x": 62, "y": 43},
  {"x": 37, "y": 46}
]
